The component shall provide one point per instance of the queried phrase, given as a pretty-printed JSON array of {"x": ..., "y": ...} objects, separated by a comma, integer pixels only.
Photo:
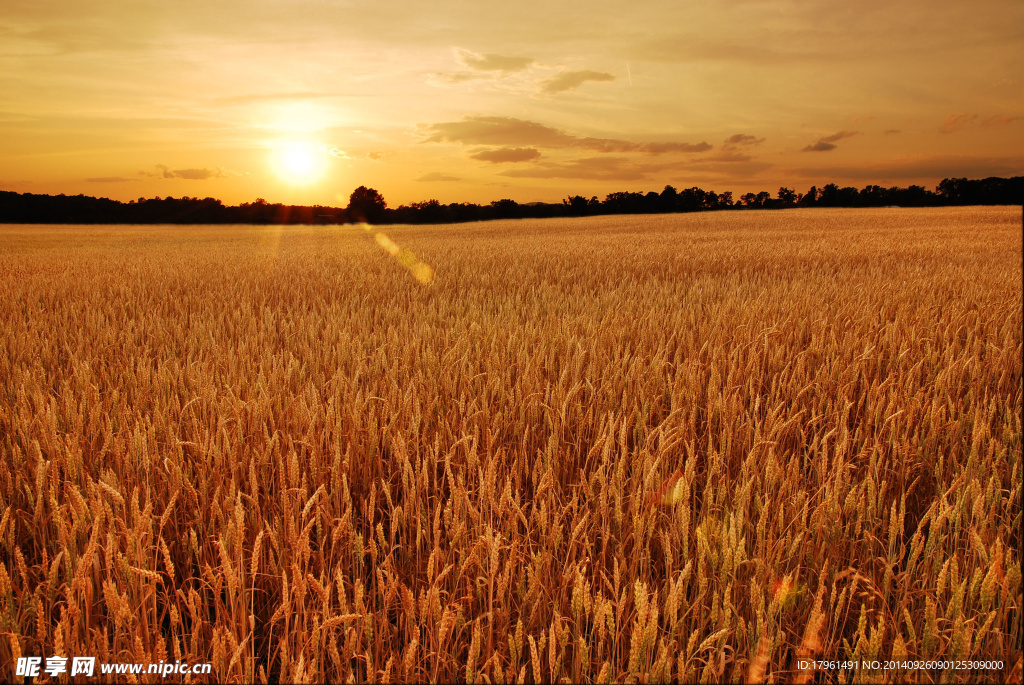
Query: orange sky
[{"x": 302, "y": 101}]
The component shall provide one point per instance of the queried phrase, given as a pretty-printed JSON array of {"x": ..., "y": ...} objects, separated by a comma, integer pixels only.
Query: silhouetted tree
[
  {"x": 670, "y": 199},
  {"x": 81, "y": 209},
  {"x": 366, "y": 204},
  {"x": 624, "y": 203},
  {"x": 691, "y": 199},
  {"x": 810, "y": 198},
  {"x": 578, "y": 205},
  {"x": 505, "y": 208}
]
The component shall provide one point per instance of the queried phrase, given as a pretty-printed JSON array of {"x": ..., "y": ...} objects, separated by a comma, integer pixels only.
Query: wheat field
[{"x": 699, "y": 447}]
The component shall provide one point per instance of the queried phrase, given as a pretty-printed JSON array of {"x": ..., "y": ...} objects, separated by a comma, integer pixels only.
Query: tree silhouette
[
  {"x": 810, "y": 198},
  {"x": 504, "y": 208},
  {"x": 366, "y": 204},
  {"x": 787, "y": 197}
]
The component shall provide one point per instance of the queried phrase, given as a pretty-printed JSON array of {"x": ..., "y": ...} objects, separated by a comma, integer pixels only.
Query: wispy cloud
[
  {"x": 483, "y": 66},
  {"x": 571, "y": 80},
  {"x": 109, "y": 179},
  {"x": 163, "y": 171},
  {"x": 492, "y": 62},
  {"x": 829, "y": 142},
  {"x": 955, "y": 122},
  {"x": 593, "y": 168},
  {"x": 336, "y": 152},
  {"x": 741, "y": 140},
  {"x": 607, "y": 168},
  {"x": 920, "y": 166},
  {"x": 251, "y": 98},
  {"x": 437, "y": 176},
  {"x": 1001, "y": 120},
  {"x": 507, "y": 154},
  {"x": 512, "y": 132}
]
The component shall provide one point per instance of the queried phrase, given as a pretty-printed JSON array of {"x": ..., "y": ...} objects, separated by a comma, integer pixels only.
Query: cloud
[
  {"x": 728, "y": 156},
  {"x": 627, "y": 169},
  {"x": 592, "y": 168},
  {"x": 741, "y": 140},
  {"x": 935, "y": 167},
  {"x": 492, "y": 62},
  {"x": 376, "y": 155},
  {"x": 437, "y": 176},
  {"x": 488, "y": 130},
  {"x": 828, "y": 142},
  {"x": 271, "y": 97},
  {"x": 335, "y": 152},
  {"x": 891, "y": 131},
  {"x": 820, "y": 146},
  {"x": 839, "y": 136},
  {"x": 196, "y": 174},
  {"x": 955, "y": 122},
  {"x": 108, "y": 179},
  {"x": 459, "y": 77},
  {"x": 507, "y": 154},
  {"x": 571, "y": 80},
  {"x": 511, "y": 132},
  {"x": 656, "y": 148},
  {"x": 1000, "y": 120},
  {"x": 163, "y": 171}
]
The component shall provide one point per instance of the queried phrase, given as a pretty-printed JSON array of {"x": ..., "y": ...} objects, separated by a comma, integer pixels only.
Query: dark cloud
[
  {"x": 493, "y": 62},
  {"x": 728, "y": 156},
  {"x": 660, "y": 148},
  {"x": 109, "y": 179},
  {"x": 507, "y": 154},
  {"x": 838, "y": 136},
  {"x": 828, "y": 142},
  {"x": 627, "y": 169},
  {"x": 571, "y": 80},
  {"x": 741, "y": 140},
  {"x": 511, "y": 132},
  {"x": 934, "y": 167},
  {"x": 820, "y": 146},
  {"x": 437, "y": 176}
]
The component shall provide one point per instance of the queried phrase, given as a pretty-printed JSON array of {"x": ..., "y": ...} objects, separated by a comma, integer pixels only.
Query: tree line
[{"x": 367, "y": 204}]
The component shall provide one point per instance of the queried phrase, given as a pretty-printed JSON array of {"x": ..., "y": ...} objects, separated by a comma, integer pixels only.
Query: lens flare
[{"x": 420, "y": 270}]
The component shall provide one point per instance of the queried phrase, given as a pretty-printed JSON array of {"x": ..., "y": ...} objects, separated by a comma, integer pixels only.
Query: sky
[{"x": 301, "y": 101}]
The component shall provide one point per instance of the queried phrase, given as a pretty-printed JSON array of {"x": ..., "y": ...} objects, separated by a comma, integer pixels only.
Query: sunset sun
[{"x": 298, "y": 163}]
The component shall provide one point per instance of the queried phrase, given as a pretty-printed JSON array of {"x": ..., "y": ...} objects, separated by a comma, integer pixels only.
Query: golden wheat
[{"x": 662, "y": 448}]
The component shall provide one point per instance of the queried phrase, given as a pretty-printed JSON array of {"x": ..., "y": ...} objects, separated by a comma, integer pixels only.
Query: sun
[{"x": 298, "y": 163}]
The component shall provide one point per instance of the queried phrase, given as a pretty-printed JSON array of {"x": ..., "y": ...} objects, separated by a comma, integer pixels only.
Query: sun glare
[{"x": 298, "y": 163}]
